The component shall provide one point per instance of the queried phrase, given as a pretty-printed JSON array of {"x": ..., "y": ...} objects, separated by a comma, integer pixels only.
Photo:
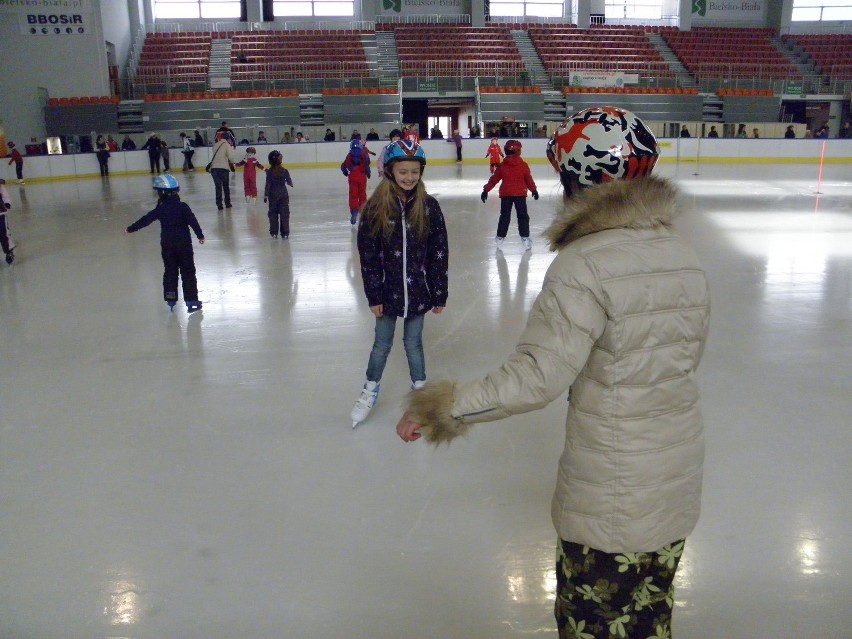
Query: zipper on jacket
[{"x": 404, "y": 261}]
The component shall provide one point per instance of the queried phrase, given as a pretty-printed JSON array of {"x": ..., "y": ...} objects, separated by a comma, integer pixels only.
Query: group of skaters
[{"x": 620, "y": 323}]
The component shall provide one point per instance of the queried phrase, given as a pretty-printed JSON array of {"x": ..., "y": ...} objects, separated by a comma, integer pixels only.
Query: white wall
[{"x": 72, "y": 65}]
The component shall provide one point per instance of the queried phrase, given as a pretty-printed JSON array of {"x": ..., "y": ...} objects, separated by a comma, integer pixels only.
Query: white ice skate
[
  {"x": 527, "y": 242},
  {"x": 364, "y": 403}
]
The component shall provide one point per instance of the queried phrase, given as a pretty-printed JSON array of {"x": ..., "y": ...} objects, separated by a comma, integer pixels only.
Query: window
[
  {"x": 515, "y": 9},
  {"x": 633, "y": 9},
  {"x": 820, "y": 10},
  {"x": 211, "y": 9},
  {"x": 324, "y": 8}
]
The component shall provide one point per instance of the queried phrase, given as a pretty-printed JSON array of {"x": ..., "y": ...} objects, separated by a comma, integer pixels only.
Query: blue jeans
[{"x": 412, "y": 339}]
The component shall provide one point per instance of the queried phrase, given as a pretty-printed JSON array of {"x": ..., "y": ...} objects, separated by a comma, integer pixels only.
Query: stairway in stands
[
  {"x": 684, "y": 79},
  {"x": 219, "y": 75},
  {"x": 387, "y": 58},
  {"x": 538, "y": 74}
]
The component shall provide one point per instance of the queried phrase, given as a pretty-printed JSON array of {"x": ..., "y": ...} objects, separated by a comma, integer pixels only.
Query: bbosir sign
[{"x": 55, "y": 23}]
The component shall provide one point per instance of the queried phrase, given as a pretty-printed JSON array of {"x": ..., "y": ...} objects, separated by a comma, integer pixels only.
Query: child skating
[
  {"x": 252, "y": 166},
  {"x": 5, "y": 239},
  {"x": 516, "y": 177},
  {"x": 494, "y": 154},
  {"x": 176, "y": 219},
  {"x": 275, "y": 192},
  {"x": 402, "y": 245},
  {"x": 18, "y": 160},
  {"x": 356, "y": 167}
]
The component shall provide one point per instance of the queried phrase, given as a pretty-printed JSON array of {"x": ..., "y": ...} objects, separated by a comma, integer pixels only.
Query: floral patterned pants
[{"x": 615, "y": 596}]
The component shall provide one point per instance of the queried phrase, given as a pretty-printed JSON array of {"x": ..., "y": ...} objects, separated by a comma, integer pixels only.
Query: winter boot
[
  {"x": 10, "y": 257},
  {"x": 364, "y": 403},
  {"x": 353, "y": 216}
]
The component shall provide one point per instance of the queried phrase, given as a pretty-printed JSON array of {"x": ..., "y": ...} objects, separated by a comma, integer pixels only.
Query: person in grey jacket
[
  {"x": 620, "y": 323},
  {"x": 221, "y": 166}
]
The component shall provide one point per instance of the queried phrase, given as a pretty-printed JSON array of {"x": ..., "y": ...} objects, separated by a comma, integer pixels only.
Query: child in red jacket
[
  {"x": 495, "y": 154},
  {"x": 356, "y": 167},
  {"x": 18, "y": 159},
  {"x": 516, "y": 177},
  {"x": 250, "y": 174}
]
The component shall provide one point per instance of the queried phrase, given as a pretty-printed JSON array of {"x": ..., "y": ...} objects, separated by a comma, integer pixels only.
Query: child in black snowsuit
[
  {"x": 176, "y": 219},
  {"x": 275, "y": 192}
]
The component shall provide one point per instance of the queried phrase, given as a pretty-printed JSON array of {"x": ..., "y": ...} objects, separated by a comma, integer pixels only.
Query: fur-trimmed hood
[{"x": 640, "y": 203}]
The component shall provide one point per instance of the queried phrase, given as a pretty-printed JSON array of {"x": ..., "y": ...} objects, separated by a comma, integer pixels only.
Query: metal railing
[{"x": 289, "y": 25}]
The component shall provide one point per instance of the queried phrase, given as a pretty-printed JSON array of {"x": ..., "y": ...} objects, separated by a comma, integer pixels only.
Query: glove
[
  {"x": 345, "y": 171},
  {"x": 8, "y": 206},
  {"x": 368, "y": 173},
  {"x": 264, "y": 200},
  {"x": 535, "y": 195},
  {"x": 484, "y": 196}
]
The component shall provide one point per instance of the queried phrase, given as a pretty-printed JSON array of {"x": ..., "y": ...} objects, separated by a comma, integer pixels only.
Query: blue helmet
[
  {"x": 403, "y": 150},
  {"x": 165, "y": 182}
]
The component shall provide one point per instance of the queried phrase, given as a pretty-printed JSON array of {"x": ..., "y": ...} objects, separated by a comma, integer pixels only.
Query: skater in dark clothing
[
  {"x": 275, "y": 192},
  {"x": 152, "y": 144},
  {"x": 176, "y": 219},
  {"x": 5, "y": 205},
  {"x": 103, "y": 155},
  {"x": 164, "y": 153}
]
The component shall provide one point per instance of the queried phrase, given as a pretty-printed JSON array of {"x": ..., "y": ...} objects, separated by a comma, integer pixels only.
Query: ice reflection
[
  {"x": 801, "y": 241},
  {"x": 123, "y": 604},
  {"x": 809, "y": 557}
]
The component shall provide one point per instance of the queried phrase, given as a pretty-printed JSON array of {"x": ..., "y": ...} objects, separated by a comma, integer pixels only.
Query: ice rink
[{"x": 169, "y": 476}]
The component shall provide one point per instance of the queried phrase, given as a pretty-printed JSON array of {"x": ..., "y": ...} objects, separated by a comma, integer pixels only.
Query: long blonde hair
[{"x": 383, "y": 208}]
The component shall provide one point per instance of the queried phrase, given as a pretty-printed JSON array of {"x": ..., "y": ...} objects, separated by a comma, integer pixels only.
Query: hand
[
  {"x": 408, "y": 430},
  {"x": 378, "y": 310},
  {"x": 437, "y": 310},
  {"x": 484, "y": 196},
  {"x": 201, "y": 240},
  {"x": 345, "y": 172},
  {"x": 264, "y": 200},
  {"x": 535, "y": 195}
]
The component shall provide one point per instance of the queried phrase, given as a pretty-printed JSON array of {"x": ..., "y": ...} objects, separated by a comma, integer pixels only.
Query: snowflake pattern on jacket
[{"x": 424, "y": 281}]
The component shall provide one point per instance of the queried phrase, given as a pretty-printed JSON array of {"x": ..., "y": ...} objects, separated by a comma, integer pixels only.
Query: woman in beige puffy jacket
[{"x": 621, "y": 322}]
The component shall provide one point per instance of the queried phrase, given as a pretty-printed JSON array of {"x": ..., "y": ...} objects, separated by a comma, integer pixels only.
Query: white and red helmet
[{"x": 599, "y": 145}]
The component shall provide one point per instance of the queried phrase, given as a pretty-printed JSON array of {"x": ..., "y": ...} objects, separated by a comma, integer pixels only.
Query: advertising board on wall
[
  {"x": 581, "y": 78},
  {"x": 707, "y": 12},
  {"x": 51, "y": 17},
  {"x": 402, "y": 8}
]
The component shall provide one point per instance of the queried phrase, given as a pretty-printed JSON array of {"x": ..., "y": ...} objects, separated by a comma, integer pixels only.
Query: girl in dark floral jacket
[{"x": 402, "y": 244}]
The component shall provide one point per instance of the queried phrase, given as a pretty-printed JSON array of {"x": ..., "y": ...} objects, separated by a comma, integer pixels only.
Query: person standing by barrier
[
  {"x": 152, "y": 145},
  {"x": 457, "y": 139},
  {"x": 188, "y": 151},
  {"x": 103, "y": 154},
  {"x": 18, "y": 161}
]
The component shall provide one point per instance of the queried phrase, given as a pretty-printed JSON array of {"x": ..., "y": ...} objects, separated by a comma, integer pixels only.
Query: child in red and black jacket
[
  {"x": 516, "y": 177},
  {"x": 250, "y": 174},
  {"x": 494, "y": 155},
  {"x": 18, "y": 159}
]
